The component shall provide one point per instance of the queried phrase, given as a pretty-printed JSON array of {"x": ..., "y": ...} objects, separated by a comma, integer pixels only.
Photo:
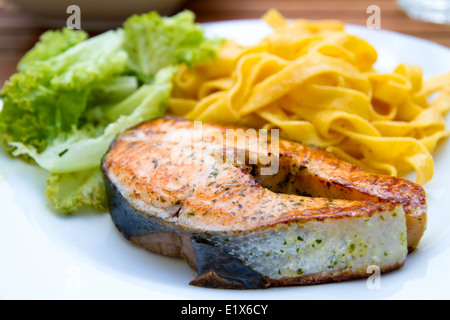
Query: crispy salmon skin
[{"x": 182, "y": 189}]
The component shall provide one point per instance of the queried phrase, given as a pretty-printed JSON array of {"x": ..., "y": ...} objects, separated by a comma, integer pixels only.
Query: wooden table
[{"x": 20, "y": 30}]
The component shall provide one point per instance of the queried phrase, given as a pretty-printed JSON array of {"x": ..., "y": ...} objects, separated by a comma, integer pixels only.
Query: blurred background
[{"x": 22, "y": 21}]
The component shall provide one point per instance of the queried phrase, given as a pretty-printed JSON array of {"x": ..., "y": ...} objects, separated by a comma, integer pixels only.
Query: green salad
[{"x": 73, "y": 94}]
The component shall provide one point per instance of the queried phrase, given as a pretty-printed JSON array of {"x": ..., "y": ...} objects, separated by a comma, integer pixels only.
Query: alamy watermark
[
  {"x": 374, "y": 280},
  {"x": 74, "y": 20},
  {"x": 374, "y": 21},
  {"x": 73, "y": 280}
]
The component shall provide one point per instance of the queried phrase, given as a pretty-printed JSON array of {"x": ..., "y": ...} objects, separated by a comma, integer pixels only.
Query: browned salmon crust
[{"x": 317, "y": 219}]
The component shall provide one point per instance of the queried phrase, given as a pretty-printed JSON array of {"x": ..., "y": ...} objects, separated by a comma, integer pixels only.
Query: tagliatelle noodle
[{"x": 317, "y": 84}]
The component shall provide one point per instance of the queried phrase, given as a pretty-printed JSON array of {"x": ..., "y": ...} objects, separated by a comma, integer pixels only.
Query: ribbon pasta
[{"x": 316, "y": 83}]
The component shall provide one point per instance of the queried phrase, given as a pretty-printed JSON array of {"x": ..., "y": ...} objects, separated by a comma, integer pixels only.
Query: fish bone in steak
[{"x": 316, "y": 219}]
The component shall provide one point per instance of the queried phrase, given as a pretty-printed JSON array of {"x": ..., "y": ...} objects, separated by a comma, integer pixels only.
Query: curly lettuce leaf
[
  {"x": 50, "y": 97},
  {"x": 51, "y": 43},
  {"x": 114, "y": 90},
  {"x": 154, "y": 42},
  {"x": 69, "y": 192}
]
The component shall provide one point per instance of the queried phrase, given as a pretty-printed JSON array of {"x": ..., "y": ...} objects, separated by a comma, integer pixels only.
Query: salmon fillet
[{"x": 243, "y": 222}]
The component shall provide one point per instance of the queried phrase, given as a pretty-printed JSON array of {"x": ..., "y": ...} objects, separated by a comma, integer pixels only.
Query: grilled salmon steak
[{"x": 254, "y": 211}]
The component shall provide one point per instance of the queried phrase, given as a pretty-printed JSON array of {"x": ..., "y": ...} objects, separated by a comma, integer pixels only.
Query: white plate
[{"x": 46, "y": 256}]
